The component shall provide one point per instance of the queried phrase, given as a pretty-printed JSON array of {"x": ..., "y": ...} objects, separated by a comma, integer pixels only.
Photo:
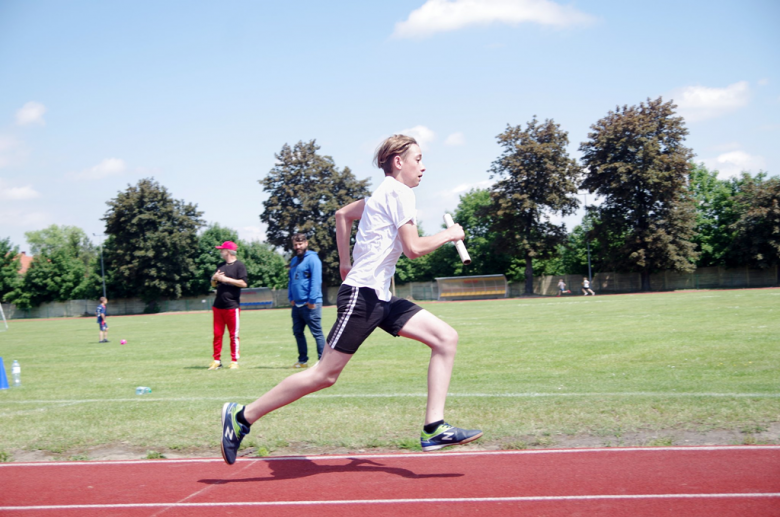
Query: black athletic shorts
[{"x": 360, "y": 312}]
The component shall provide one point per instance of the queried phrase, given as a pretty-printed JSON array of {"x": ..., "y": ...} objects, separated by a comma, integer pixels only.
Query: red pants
[{"x": 229, "y": 317}]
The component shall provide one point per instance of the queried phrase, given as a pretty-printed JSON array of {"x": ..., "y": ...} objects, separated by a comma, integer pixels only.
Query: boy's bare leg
[
  {"x": 443, "y": 342},
  {"x": 322, "y": 375}
]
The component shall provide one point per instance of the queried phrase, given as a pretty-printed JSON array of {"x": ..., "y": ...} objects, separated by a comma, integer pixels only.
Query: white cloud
[
  {"x": 730, "y": 164},
  {"x": 422, "y": 134},
  {"x": 12, "y": 151},
  {"x": 17, "y": 193},
  {"x": 31, "y": 113},
  {"x": 252, "y": 233},
  {"x": 697, "y": 103},
  {"x": 106, "y": 168},
  {"x": 24, "y": 219},
  {"x": 455, "y": 139},
  {"x": 465, "y": 187},
  {"x": 450, "y": 15}
]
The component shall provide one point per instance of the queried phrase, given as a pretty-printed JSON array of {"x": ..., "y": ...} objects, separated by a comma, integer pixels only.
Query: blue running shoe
[
  {"x": 446, "y": 435},
  {"x": 232, "y": 431}
]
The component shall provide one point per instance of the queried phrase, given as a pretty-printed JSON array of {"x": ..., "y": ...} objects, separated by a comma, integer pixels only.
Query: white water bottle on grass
[
  {"x": 143, "y": 390},
  {"x": 16, "y": 374}
]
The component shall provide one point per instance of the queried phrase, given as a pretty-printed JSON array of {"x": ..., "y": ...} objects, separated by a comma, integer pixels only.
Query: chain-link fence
[{"x": 702, "y": 278}]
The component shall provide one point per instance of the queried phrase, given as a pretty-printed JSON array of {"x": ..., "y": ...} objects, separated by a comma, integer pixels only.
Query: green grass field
[{"x": 528, "y": 372}]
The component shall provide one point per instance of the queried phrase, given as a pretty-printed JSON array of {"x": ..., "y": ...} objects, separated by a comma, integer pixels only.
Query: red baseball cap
[{"x": 228, "y": 245}]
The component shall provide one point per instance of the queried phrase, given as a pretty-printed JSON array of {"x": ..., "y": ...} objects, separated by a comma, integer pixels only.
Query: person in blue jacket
[{"x": 305, "y": 294}]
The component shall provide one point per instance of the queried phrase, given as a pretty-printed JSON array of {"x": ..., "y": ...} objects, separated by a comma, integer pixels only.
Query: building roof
[{"x": 25, "y": 261}]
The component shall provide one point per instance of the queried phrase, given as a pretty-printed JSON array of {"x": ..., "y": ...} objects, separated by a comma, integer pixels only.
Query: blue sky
[{"x": 200, "y": 95}]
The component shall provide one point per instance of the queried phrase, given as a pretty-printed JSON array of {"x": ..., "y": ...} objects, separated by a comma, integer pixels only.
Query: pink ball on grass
[{"x": 123, "y": 342}]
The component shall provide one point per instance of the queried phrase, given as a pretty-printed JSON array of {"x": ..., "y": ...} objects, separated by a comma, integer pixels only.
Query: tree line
[{"x": 658, "y": 210}]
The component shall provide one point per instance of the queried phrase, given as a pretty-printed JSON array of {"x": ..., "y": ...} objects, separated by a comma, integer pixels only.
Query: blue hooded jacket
[{"x": 305, "y": 279}]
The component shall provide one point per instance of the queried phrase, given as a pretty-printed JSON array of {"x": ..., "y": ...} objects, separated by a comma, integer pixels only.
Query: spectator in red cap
[{"x": 229, "y": 279}]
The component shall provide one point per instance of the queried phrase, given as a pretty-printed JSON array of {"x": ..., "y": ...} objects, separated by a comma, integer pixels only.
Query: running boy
[
  {"x": 562, "y": 288},
  {"x": 586, "y": 287},
  {"x": 387, "y": 228},
  {"x": 100, "y": 312}
]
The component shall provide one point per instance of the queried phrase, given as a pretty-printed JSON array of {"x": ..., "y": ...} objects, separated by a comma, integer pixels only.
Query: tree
[
  {"x": 536, "y": 180},
  {"x": 637, "y": 163},
  {"x": 264, "y": 266},
  {"x": 152, "y": 242},
  {"x": 9, "y": 267},
  {"x": 715, "y": 214},
  {"x": 55, "y": 276},
  {"x": 70, "y": 239},
  {"x": 305, "y": 190},
  {"x": 757, "y": 231},
  {"x": 53, "y": 242}
]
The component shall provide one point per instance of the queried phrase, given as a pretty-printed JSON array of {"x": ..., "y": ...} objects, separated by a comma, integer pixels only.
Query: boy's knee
[
  {"x": 447, "y": 340},
  {"x": 326, "y": 379},
  {"x": 450, "y": 337}
]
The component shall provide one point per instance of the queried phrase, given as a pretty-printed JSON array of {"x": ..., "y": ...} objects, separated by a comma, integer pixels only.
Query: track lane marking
[
  {"x": 408, "y": 395},
  {"x": 429, "y": 455},
  {"x": 399, "y": 501}
]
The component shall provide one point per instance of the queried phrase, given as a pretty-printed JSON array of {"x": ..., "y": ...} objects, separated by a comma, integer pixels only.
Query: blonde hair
[{"x": 396, "y": 145}]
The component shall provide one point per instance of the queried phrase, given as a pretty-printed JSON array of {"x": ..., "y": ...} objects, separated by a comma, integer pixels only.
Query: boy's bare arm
[
  {"x": 345, "y": 216},
  {"x": 416, "y": 246}
]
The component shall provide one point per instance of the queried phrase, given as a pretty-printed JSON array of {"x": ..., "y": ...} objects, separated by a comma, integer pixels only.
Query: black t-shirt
[{"x": 229, "y": 296}]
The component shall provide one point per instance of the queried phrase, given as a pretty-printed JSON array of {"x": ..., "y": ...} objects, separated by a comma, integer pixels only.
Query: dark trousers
[{"x": 302, "y": 316}]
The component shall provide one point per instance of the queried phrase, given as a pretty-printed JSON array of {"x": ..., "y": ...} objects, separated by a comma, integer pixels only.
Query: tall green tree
[
  {"x": 757, "y": 231},
  {"x": 264, "y": 266},
  {"x": 55, "y": 276},
  {"x": 638, "y": 165},
  {"x": 715, "y": 214},
  {"x": 71, "y": 239},
  {"x": 305, "y": 189},
  {"x": 9, "y": 267},
  {"x": 536, "y": 179},
  {"x": 153, "y": 242}
]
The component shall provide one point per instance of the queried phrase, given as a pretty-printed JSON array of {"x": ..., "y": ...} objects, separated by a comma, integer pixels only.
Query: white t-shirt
[
  {"x": 378, "y": 245},
  {"x": 586, "y": 284}
]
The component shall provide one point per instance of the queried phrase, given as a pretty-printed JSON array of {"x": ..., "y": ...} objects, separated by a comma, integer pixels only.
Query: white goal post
[{"x": 4, "y": 324}]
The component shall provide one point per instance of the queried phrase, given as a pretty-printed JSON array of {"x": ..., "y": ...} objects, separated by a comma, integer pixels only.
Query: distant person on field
[
  {"x": 101, "y": 314},
  {"x": 562, "y": 288},
  {"x": 586, "y": 287},
  {"x": 229, "y": 279},
  {"x": 305, "y": 294}
]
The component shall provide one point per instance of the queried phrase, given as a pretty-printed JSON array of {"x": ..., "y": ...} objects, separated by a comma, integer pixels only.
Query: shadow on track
[{"x": 296, "y": 469}]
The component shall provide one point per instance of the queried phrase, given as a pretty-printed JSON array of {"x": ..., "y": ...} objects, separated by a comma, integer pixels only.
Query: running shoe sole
[{"x": 432, "y": 448}]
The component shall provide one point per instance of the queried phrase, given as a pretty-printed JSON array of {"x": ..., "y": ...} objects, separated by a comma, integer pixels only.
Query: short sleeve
[
  {"x": 242, "y": 275},
  {"x": 402, "y": 206}
]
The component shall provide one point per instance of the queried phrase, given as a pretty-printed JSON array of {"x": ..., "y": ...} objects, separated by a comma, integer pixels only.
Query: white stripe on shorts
[
  {"x": 238, "y": 340},
  {"x": 343, "y": 323}
]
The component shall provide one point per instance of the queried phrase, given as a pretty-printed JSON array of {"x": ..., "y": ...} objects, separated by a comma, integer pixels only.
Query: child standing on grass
[
  {"x": 101, "y": 314},
  {"x": 387, "y": 228}
]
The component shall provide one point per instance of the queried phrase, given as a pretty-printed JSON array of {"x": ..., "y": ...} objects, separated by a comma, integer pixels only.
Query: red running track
[{"x": 690, "y": 481}]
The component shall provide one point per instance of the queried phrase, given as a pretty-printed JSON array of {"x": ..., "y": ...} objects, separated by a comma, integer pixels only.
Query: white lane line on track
[
  {"x": 428, "y": 455},
  {"x": 233, "y": 474},
  {"x": 406, "y": 395},
  {"x": 519, "y": 499}
]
